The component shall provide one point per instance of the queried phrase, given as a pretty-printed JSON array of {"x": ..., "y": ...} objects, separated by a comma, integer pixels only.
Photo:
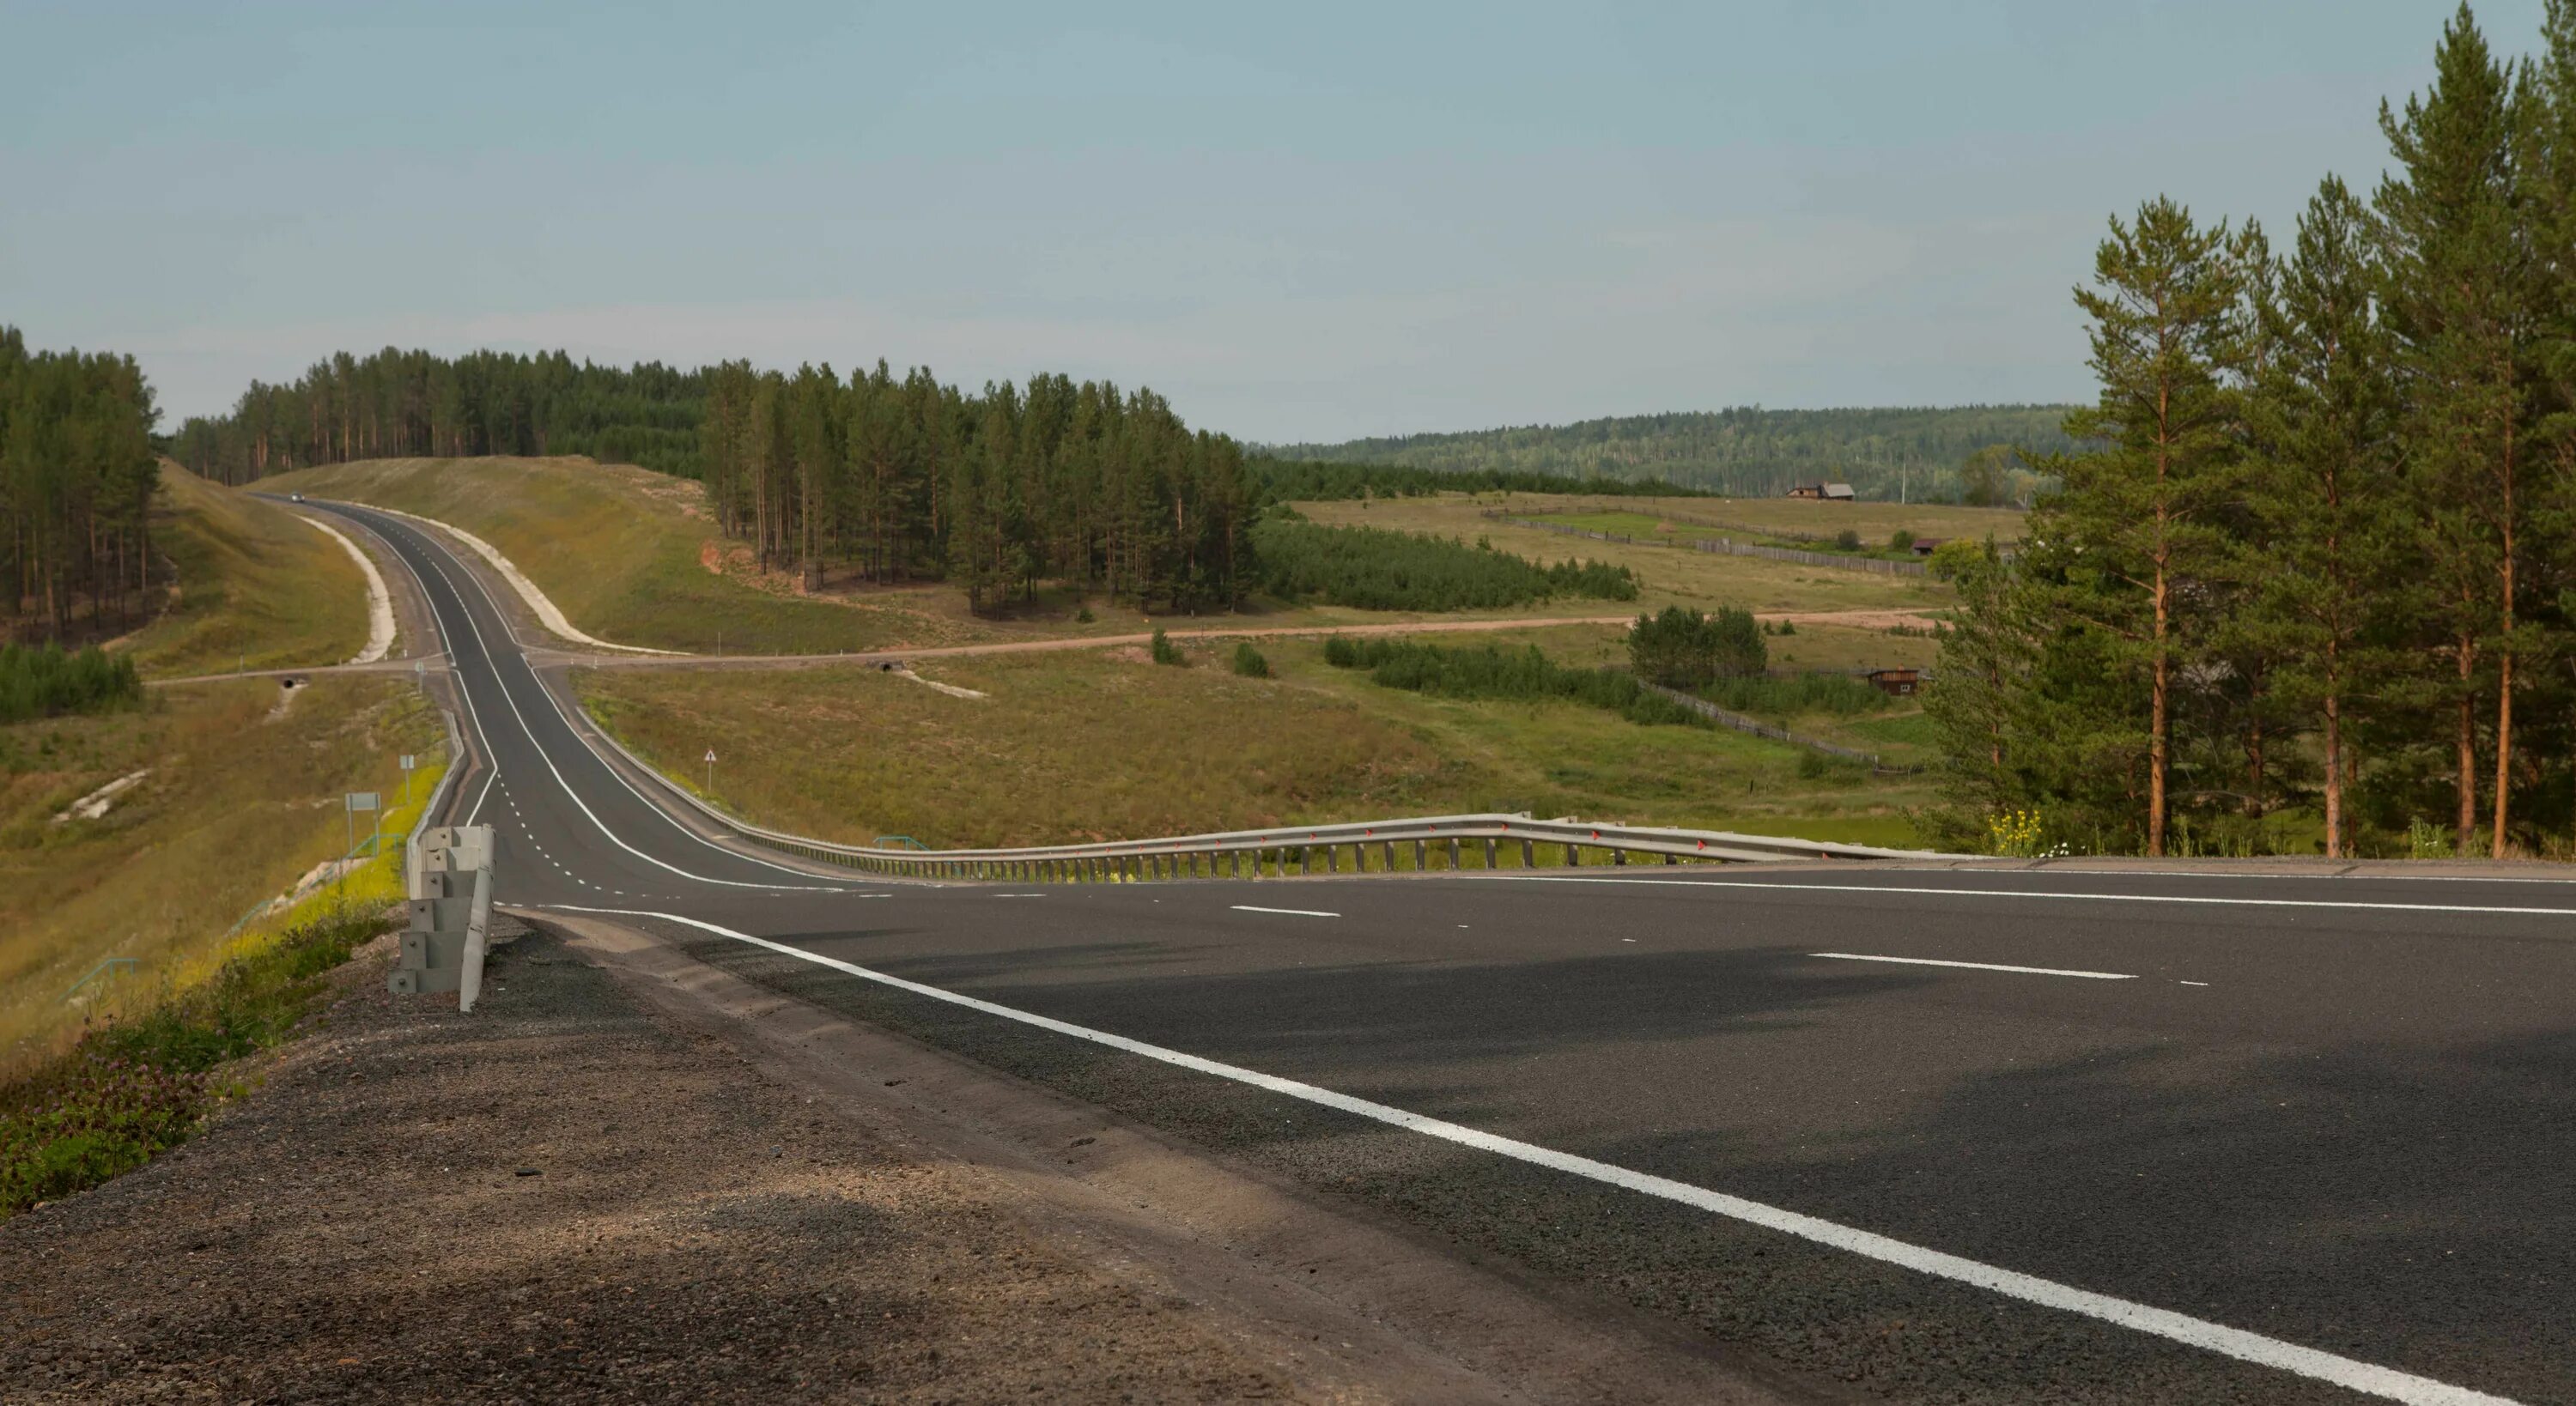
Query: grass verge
[
  {"x": 1094, "y": 746},
  {"x": 257, "y": 588},
  {"x": 132, "y": 1088},
  {"x": 237, "y": 797}
]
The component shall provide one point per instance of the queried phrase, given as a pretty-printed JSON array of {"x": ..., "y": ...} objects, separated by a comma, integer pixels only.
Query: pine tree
[
  {"x": 2325, "y": 491},
  {"x": 2138, "y": 522},
  {"x": 2456, "y": 298}
]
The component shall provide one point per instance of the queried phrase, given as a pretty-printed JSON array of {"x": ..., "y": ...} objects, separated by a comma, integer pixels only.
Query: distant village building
[
  {"x": 1926, "y": 546},
  {"x": 1831, "y": 492},
  {"x": 1899, "y": 682}
]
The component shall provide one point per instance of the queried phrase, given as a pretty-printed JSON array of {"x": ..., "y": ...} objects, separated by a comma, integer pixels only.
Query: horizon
[{"x": 1527, "y": 222}]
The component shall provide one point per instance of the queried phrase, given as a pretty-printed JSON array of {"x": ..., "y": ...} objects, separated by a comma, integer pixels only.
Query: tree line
[
  {"x": 2321, "y": 565},
  {"x": 398, "y": 404},
  {"x": 77, "y": 472},
  {"x": 1920, "y": 454}
]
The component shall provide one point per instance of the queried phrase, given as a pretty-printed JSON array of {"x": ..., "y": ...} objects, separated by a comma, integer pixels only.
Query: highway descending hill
[{"x": 1911, "y": 1133}]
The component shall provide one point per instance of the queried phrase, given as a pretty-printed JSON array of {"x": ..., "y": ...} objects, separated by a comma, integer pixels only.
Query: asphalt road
[{"x": 1921, "y": 1134}]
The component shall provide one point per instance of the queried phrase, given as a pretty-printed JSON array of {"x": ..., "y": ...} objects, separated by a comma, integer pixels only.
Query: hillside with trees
[
  {"x": 76, "y": 479},
  {"x": 1746, "y": 452},
  {"x": 2317, "y": 586}
]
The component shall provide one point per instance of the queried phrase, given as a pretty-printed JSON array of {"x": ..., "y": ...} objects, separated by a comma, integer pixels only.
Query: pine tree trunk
[
  {"x": 2504, "y": 660},
  {"x": 2158, "y": 724},
  {"x": 2334, "y": 753},
  {"x": 2468, "y": 745}
]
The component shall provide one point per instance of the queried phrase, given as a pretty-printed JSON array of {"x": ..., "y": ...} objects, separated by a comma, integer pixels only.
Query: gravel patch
[{"x": 558, "y": 1199}]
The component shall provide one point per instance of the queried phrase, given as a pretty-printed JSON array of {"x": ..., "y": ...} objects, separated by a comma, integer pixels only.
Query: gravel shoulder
[
  {"x": 560, "y": 1199},
  {"x": 631, "y": 1177}
]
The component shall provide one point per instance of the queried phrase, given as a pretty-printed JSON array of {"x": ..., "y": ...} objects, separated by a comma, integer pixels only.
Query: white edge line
[
  {"x": 2034, "y": 893},
  {"x": 1979, "y": 966},
  {"x": 2386, "y": 1382},
  {"x": 1291, "y": 912},
  {"x": 613, "y": 838}
]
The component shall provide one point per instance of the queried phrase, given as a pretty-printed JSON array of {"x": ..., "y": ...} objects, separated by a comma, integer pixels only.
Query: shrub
[
  {"x": 1681, "y": 648},
  {"x": 1166, "y": 652},
  {"x": 1084, "y": 616},
  {"x": 1494, "y": 672},
  {"x": 1375, "y": 569},
  {"x": 1249, "y": 661},
  {"x": 1901, "y": 540},
  {"x": 43, "y": 681},
  {"x": 1848, "y": 539}
]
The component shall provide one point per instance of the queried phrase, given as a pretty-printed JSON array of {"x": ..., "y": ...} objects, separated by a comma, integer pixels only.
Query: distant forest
[
  {"x": 76, "y": 480},
  {"x": 1917, "y": 454}
]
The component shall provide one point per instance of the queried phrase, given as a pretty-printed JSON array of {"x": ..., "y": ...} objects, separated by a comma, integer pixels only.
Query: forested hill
[{"x": 1746, "y": 451}]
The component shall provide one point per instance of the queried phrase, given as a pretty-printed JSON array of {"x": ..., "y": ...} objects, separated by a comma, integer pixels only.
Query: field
[
  {"x": 257, "y": 588},
  {"x": 1086, "y": 746},
  {"x": 1670, "y": 576},
  {"x": 240, "y": 799}
]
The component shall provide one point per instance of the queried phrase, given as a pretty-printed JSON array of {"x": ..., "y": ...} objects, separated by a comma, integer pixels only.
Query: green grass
[
  {"x": 1094, "y": 746},
  {"x": 1701, "y": 580},
  {"x": 239, "y": 802},
  {"x": 135, "y": 1087},
  {"x": 257, "y": 587},
  {"x": 1648, "y": 528}
]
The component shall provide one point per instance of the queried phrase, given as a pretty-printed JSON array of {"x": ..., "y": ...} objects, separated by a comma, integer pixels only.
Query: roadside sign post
[
  {"x": 350, "y": 805},
  {"x": 711, "y": 773},
  {"x": 408, "y": 762}
]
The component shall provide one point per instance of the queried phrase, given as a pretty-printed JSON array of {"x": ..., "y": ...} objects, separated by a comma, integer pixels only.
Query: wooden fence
[{"x": 1723, "y": 546}]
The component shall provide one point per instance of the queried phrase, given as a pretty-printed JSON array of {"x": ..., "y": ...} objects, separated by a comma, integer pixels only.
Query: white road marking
[
  {"x": 2035, "y": 893},
  {"x": 504, "y": 687},
  {"x": 2179, "y": 981},
  {"x": 1980, "y": 966},
  {"x": 2246, "y": 1346},
  {"x": 1291, "y": 912},
  {"x": 1018, "y": 895}
]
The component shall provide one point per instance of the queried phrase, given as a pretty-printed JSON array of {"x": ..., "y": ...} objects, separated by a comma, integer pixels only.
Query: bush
[
  {"x": 1166, "y": 652},
  {"x": 1372, "y": 568},
  {"x": 1494, "y": 672},
  {"x": 42, "y": 682},
  {"x": 1848, "y": 539},
  {"x": 1901, "y": 540},
  {"x": 1681, "y": 648},
  {"x": 1084, "y": 616},
  {"x": 1249, "y": 662}
]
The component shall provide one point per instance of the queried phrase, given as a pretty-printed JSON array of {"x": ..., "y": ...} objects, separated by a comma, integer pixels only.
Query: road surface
[{"x": 1912, "y": 1134}]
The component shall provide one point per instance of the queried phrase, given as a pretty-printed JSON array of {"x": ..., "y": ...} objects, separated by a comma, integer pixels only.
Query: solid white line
[
  {"x": 2034, "y": 893},
  {"x": 2307, "y": 1362},
  {"x": 1291, "y": 912},
  {"x": 1980, "y": 966},
  {"x": 503, "y": 685}
]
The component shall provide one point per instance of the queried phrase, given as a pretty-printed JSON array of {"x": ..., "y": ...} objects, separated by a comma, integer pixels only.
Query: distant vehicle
[{"x": 295, "y": 497}]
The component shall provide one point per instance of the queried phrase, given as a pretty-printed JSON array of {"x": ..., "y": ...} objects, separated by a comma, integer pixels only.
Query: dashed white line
[
  {"x": 1978, "y": 966},
  {"x": 2312, "y": 1363},
  {"x": 1291, "y": 912}
]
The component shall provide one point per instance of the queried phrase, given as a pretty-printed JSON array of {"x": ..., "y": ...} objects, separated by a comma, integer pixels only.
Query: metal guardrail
[
  {"x": 429, "y": 808},
  {"x": 1428, "y": 838}
]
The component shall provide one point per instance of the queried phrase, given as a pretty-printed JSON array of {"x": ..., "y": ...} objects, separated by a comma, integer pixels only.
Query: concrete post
[
  {"x": 1420, "y": 861},
  {"x": 1453, "y": 852},
  {"x": 1389, "y": 856},
  {"x": 1529, "y": 855},
  {"x": 1489, "y": 853}
]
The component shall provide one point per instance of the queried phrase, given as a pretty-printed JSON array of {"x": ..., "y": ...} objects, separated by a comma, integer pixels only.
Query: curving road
[{"x": 1912, "y": 1134}]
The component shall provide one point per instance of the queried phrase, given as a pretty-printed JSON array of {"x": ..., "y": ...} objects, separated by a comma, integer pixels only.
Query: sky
[{"x": 1297, "y": 222}]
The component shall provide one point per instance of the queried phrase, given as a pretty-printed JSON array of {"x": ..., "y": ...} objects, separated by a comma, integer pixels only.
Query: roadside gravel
[{"x": 558, "y": 1199}]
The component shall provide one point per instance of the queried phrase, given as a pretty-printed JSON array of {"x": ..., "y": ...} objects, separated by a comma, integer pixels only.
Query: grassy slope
[
  {"x": 1671, "y": 576},
  {"x": 257, "y": 587},
  {"x": 237, "y": 807},
  {"x": 1079, "y": 746},
  {"x": 619, "y": 549}
]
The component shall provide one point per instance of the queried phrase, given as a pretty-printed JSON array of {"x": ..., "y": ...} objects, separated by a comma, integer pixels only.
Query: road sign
[
  {"x": 363, "y": 800},
  {"x": 409, "y": 761},
  {"x": 711, "y": 754}
]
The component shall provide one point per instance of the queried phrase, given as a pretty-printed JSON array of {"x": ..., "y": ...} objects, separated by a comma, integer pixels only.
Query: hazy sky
[{"x": 1300, "y": 221}]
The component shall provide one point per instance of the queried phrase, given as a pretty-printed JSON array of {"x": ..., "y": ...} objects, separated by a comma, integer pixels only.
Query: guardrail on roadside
[
  {"x": 1491, "y": 837},
  {"x": 429, "y": 808},
  {"x": 450, "y": 906}
]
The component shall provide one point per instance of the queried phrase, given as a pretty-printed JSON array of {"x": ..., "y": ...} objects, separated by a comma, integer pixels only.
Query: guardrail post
[
  {"x": 1421, "y": 858},
  {"x": 1619, "y": 857},
  {"x": 1529, "y": 855},
  {"x": 1332, "y": 859},
  {"x": 1453, "y": 852},
  {"x": 1489, "y": 852},
  {"x": 1573, "y": 858}
]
